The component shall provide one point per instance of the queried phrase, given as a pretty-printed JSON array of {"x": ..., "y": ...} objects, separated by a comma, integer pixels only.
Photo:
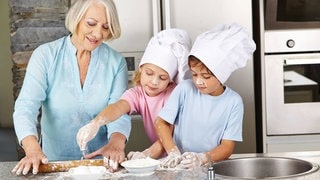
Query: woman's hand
[
  {"x": 113, "y": 152},
  {"x": 34, "y": 157}
]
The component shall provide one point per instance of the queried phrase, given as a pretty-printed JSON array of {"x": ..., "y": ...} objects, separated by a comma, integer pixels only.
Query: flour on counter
[{"x": 87, "y": 172}]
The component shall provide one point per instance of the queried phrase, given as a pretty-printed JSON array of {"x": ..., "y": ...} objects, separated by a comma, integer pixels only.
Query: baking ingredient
[{"x": 87, "y": 172}]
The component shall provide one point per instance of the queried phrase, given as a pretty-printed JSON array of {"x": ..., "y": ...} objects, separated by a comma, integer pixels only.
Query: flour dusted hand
[
  {"x": 139, "y": 155},
  {"x": 86, "y": 133},
  {"x": 136, "y": 155},
  {"x": 192, "y": 160},
  {"x": 172, "y": 160}
]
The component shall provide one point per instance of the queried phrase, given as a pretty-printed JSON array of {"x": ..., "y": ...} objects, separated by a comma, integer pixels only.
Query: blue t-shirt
[
  {"x": 52, "y": 82},
  {"x": 201, "y": 121}
]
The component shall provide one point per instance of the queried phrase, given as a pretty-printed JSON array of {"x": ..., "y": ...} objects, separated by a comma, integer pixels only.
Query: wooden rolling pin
[{"x": 62, "y": 166}]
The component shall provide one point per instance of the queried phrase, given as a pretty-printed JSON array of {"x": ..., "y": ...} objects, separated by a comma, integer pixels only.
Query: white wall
[{"x": 6, "y": 85}]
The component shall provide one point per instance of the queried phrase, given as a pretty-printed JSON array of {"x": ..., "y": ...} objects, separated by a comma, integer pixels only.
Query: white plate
[
  {"x": 87, "y": 172},
  {"x": 141, "y": 166}
]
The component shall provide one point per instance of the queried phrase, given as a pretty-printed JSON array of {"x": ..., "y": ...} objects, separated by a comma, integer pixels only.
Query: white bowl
[
  {"x": 87, "y": 172},
  {"x": 141, "y": 166}
]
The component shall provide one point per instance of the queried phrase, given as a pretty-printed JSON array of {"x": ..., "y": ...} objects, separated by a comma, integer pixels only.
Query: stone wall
[{"x": 33, "y": 22}]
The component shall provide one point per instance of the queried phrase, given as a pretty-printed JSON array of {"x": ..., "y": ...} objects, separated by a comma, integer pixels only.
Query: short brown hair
[{"x": 194, "y": 61}]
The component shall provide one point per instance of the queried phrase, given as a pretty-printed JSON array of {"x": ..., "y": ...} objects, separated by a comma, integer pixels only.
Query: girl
[{"x": 163, "y": 64}]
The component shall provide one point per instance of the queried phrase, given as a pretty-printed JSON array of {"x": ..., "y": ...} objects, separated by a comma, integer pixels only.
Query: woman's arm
[
  {"x": 34, "y": 157},
  {"x": 26, "y": 110}
]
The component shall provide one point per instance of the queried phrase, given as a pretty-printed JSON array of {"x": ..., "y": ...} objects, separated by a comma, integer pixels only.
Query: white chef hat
[
  {"x": 224, "y": 49},
  {"x": 169, "y": 49}
]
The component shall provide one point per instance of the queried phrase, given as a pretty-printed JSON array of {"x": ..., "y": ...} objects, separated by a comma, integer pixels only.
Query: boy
[{"x": 206, "y": 115}]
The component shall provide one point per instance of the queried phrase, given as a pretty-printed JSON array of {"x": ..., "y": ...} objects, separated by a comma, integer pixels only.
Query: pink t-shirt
[{"x": 148, "y": 107}]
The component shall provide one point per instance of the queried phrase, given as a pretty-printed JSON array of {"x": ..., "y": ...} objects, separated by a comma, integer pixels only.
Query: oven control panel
[
  {"x": 133, "y": 60},
  {"x": 283, "y": 41}
]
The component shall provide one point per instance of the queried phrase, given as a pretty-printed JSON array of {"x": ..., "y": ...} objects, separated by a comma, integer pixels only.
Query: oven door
[
  {"x": 292, "y": 94},
  {"x": 292, "y": 14}
]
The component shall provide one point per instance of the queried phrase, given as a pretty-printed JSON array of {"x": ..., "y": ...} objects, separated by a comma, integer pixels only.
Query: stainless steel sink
[{"x": 263, "y": 167}]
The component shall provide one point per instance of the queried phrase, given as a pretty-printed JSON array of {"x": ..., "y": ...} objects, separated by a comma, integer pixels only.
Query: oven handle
[{"x": 301, "y": 61}]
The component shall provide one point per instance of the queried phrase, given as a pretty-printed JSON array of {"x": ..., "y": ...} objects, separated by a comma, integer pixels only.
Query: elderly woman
[{"x": 72, "y": 79}]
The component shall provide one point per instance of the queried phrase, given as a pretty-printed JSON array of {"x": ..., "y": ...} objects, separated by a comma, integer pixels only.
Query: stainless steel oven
[
  {"x": 292, "y": 102},
  {"x": 291, "y": 75},
  {"x": 292, "y": 93}
]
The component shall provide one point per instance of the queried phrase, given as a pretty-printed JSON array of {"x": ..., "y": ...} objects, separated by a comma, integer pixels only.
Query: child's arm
[
  {"x": 221, "y": 152},
  {"x": 154, "y": 151},
  {"x": 165, "y": 132},
  {"x": 112, "y": 112},
  {"x": 107, "y": 115}
]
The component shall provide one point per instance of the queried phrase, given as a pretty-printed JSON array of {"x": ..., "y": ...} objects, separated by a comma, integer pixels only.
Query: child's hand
[
  {"x": 86, "y": 133},
  {"x": 172, "y": 160},
  {"x": 139, "y": 155},
  {"x": 192, "y": 160},
  {"x": 136, "y": 155}
]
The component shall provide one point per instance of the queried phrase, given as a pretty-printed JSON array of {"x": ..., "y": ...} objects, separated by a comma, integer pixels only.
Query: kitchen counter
[{"x": 199, "y": 173}]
